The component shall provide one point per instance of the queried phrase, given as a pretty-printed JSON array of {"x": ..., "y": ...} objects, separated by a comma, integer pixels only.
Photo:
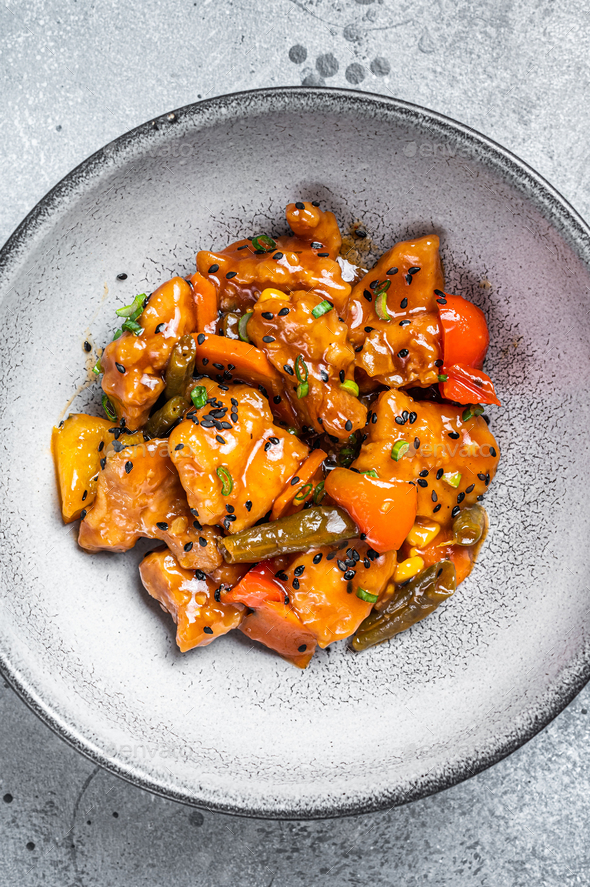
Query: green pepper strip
[{"x": 227, "y": 483}]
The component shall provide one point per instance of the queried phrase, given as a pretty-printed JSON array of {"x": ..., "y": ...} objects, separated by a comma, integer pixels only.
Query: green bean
[
  {"x": 297, "y": 532},
  {"x": 411, "y": 602},
  {"x": 180, "y": 367},
  {"x": 470, "y": 525},
  {"x": 163, "y": 420}
]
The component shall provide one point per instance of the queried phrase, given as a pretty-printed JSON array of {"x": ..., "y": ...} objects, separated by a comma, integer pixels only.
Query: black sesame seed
[
  {"x": 202, "y": 542},
  {"x": 122, "y": 276},
  {"x": 440, "y": 473},
  {"x": 442, "y": 301},
  {"x": 205, "y": 361},
  {"x": 197, "y": 525},
  {"x": 87, "y": 346},
  {"x": 267, "y": 446},
  {"x": 480, "y": 498},
  {"x": 460, "y": 497},
  {"x": 416, "y": 443},
  {"x": 341, "y": 565},
  {"x": 341, "y": 375},
  {"x": 283, "y": 312},
  {"x": 323, "y": 255},
  {"x": 369, "y": 329},
  {"x": 403, "y": 353},
  {"x": 219, "y": 439},
  {"x": 213, "y": 269},
  {"x": 208, "y": 630},
  {"x": 83, "y": 514},
  {"x": 217, "y": 592},
  {"x": 374, "y": 418},
  {"x": 360, "y": 232},
  {"x": 317, "y": 557},
  {"x": 128, "y": 467},
  {"x": 374, "y": 284},
  {"x": 101, "y": 446},
  {"x": 281, "y": 575},
  {"x": 267, "y": 339},
  {"x": 274, "y": 440},
  {"x": 413, "y": 270},
  {"x": 188, "y": 546},
  {"x": 120, "y": 367},
  {"x": 218, "y": 366},
  {"x": 493, "y": 452},
  {"x": 421, "y": 482},
  {"x": 408, "y": 279},
  {"x": 368, "y": 295},
  {"x": 454, "y": 435},
  {"x": 481, "y": 476},
  {"x": 298, "y": 571},
  {"x": 438, "y": 363},
  {"x": 315, "y": 244},
  {"x": 455, "y": 511},
  {"x": 437, "y": 508},
  {"x": 413, "y": 417},
  {"x": 295, "y": 584},
  {"x": 400, "y": 420},
  {"x": 200, "y": 338},
  {"x": 288, "y": 369},
  {"x": 294, "y": 480},
  {"x": 470, "y": 488},
  {"x": 403, "y": 303},
  {"x": 433, "y": 496},
  {"x": 350, "y": 574},
  {"x": 348, "y": 425},
  {"x": 487, "y": 478},
  {"x": 248, "y": 505},
  {"x": 179, "y": 447},
  {"x": 299, "y": 205},
  {"x": 303, "y": 647},
  {"x": 268, "y": 315},
  {"x": 103, "y": 462},
  {"x": 439, "y": 293},
  {"x": 424, "y": 473},
  {"x": 118, "y": 446},
  {"x": 391, "y": 271},
  {"x": 324, "y": 376},
  {"x": 362, "y": 537},
  {"x": 331, "y": 556},
  {"x": 278, "y": 256},
  {"x": 234, "y": 417}
]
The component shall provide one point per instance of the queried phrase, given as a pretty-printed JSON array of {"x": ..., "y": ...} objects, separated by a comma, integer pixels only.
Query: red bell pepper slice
[
  {"x": 384, "y": 510},
  {"x": 258, "y": 586},
  {"x": 465, "y": 340}
]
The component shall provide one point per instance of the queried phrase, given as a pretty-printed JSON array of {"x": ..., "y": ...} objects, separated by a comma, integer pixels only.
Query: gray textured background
[{"x": 73, "y": 76}]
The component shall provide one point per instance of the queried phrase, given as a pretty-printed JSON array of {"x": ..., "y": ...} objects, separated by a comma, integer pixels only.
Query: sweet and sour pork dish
[{"x": 305, "y": 438}]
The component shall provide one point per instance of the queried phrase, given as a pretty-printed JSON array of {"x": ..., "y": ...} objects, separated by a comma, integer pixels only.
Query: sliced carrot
[
  {"x": 206, "y": 303},
  {"x": 305, "y": 473}
]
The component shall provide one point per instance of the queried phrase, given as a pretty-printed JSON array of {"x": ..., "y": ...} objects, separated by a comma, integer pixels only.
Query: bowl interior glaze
[{"x": 232, "y": 727}]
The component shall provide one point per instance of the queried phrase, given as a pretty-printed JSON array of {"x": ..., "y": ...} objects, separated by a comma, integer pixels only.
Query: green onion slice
[
  {"x": 199, "y": 396},
  {"x": 264, "y": 242},
  {"x": 97, "y": 369},
  {"x": 442, "y": 377},
  {"x": 452, "y": 478},
  {"x": 301, "y": 369},
  {"x": 109, "y": 409},
  {"x": 472, "y": 410},
  {"x": 381, "y": 307},
  {"x": 382, "y": 287},
  {"x": 319, "y": 493},
  {"x": 351, "y": 387},
  {"x": 303, "y": 492},
  {"x": 227, "y": 483},
  {"x": 322, "y": 308},
  {"x": 370, "y": 473},
  {"x": 292, "y": 431},
  {"x": 117, "y": 334},
  {"x": 366, "y": 595},
  {"x": 134, "y": 310},
  {"x": 302, "y": 389},
  {"x": 243, "y": 326},
  {"x": 132, "y": 326},
  {"x": 399, "y": 449}
]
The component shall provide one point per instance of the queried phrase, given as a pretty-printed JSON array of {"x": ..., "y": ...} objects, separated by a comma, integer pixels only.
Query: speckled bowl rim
[{"x": 570, "y": 225}]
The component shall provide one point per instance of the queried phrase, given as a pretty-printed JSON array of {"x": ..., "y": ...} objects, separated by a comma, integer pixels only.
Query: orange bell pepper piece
[
  {"x": 465, "y": 340},
  {"x": 305, "y": 473},
  {"x": 383, "y": 510},
  {"x": 206, "y": 303}
]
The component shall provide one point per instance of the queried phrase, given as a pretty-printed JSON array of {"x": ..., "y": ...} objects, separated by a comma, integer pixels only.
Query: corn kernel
[
  {"x": 422, "y": 534},
  {"x": 271, "y": 293},
  {"x": 408, "y": 568}
]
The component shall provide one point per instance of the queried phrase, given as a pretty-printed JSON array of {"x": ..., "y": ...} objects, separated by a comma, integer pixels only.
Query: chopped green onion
[
  {"x": 134, "y": 310},
  {"x": 132, "y": 326},
  {"x": 318, "y": 493},
  {"x": 381, "y": 306},
  {"x": 226, "y": 479},
  {"x": 472, "y": 410},
  {"x": 97, "y": 369},
  {"x": 108, "y": 408},
  {"x": 453, "y": 478},
  {"x": 442, "y": 377},
  {"x": 117, "y": 334},
  {"x": 322, "y": 308},
  {"x": 382, "y": 287},
  {"x": 301, "y": 369},
  {"x": 351, "y": 387},
  {"x": 399, "y": 449},
  {"x": 263, "y": 242},
  {"x": 302, "y": 389},
  {"x": 366, "y": 595},
  {"x": 370, "y": 473},
  {"x": 243, "y": 326},
  {"x": 292, "y": 431},
  {"x": 199, "y": 396},
  {"x": 303, "y": 492}
]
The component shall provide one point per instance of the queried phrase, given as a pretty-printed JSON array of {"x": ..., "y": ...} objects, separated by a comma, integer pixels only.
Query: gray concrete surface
[{"x": 76, "y": 74}]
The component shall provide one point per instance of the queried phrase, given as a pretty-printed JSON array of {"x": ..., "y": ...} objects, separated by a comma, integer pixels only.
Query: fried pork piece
[
  {"x": 133, "y": 365},
  {"x": 139, "y": 494},
  {"x": 306, "y": 261},
  {"x": 189, "y": 597},
  {"x": 232, "y": 459},
  {"x": 452, "y": 461},
  {"x": 403, "y": 350},
  {"x": 284, "y": 328}
]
